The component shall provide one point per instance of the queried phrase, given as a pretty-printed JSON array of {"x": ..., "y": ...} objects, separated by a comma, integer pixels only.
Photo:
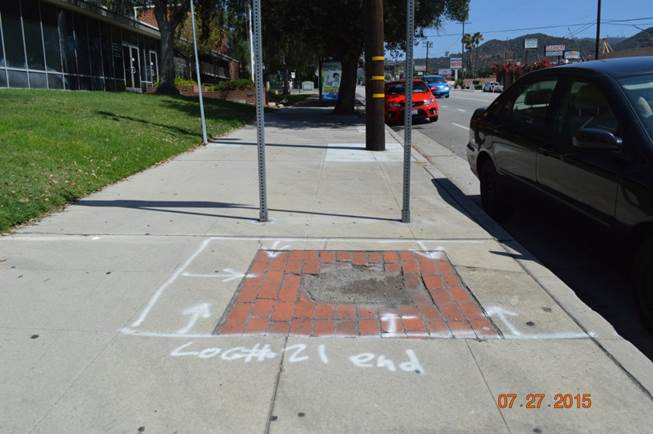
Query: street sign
[
  {"x": 572, "y": 55},
  {"x": 456, "y": 62},
  {"x": 445, "y": 72},
  {"x": 553, "y": 53},
  {"x": 420, "y": 68},
  {"x": 530, "y": 43},
  {"x": 560, "y": 47}
]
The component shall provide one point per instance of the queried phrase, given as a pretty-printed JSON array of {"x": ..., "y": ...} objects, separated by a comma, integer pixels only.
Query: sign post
[
  {"x": 408, "y": 109},
  {"x": 260, "y": 112},
  {"x": 199, "y": 79}
]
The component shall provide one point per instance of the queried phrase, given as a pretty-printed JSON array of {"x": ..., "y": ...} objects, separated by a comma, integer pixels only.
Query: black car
[{"x": 583, "y": 135}]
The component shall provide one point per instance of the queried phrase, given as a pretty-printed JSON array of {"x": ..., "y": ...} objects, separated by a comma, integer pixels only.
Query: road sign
[
  {"x": 445, "y": 72},
  {"x": 553, "y": 53},
  {"x": 555, "y": 48},
  {"x": 456, "y": 62},
  {"x": 420, "y": 68},
  {"x": 530, "y": 43},
  {"x": 571, "y": 55}
]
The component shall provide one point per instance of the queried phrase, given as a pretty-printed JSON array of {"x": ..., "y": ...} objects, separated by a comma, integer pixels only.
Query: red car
[{"x": 425, "y": 105}]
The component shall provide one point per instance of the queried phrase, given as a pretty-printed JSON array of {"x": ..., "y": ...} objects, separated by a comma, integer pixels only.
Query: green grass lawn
[{"x": 56, "y": 147}]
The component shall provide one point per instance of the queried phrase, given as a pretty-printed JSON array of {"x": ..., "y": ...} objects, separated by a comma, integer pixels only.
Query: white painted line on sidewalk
[{"x": 460, "y": 126}]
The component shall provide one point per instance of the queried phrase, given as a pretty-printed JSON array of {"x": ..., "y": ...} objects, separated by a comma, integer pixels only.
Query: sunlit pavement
[{"x": 113, "y": 312}]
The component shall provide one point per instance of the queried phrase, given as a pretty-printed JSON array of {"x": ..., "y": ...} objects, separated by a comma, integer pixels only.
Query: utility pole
[
  {"x": 429, "y": 44},
  {"x": 462, "y": 51},
  {"x": 598, "y": 30},
  {"x": 375, "y": 75}
]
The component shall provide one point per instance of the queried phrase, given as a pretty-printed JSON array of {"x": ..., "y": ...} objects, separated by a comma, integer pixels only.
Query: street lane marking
[
  {"x": 462, "y": 110},
  {"x": 460, "y": 126}
]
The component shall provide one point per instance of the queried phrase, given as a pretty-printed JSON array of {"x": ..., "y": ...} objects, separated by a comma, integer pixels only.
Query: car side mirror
[{"x": 597, "y": 139}]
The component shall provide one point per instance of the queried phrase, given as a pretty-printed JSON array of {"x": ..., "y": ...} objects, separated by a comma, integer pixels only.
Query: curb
[{"x": 627, "y": 357}]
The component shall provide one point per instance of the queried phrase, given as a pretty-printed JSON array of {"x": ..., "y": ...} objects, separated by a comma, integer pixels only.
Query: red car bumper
[{"x": 396, "y": 114}]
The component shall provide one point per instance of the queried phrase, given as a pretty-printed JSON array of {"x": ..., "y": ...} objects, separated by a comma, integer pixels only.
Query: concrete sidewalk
[{"x": 160, "y": 304}]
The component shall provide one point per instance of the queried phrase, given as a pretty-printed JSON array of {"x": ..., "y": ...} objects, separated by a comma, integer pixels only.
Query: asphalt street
[
  {"x": 586, "y": 257},
  {"x": 452, "y": 128}
]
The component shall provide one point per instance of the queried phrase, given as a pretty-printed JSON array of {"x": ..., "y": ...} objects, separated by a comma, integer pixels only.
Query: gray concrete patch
[
  {"x": 170, "y": 385},
  {"x": 339, "y": 396},
  {"x": 343, "y": 283},
  {"x": 567, "y": 366}
]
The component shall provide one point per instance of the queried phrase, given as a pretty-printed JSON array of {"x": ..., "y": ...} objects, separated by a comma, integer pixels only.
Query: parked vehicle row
[
  {"x": 493, "y": 86},
  {"x": 581, "y": 134}
]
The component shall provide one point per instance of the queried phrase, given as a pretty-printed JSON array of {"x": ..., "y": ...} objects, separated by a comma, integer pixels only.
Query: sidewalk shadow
[
  {"x": 164, "y": 206},
  {"x": 285, "y": 145}
]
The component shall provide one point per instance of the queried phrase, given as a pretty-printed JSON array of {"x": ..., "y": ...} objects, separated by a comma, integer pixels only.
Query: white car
[{"x": 492, "y": 86}]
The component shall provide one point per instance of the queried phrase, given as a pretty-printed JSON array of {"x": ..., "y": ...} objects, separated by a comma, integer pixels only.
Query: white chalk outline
[{"x": 433, "y": 253}]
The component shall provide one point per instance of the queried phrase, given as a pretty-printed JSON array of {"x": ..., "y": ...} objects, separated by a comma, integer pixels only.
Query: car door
[
  {"x": 588, "y": 179},
  {"x": 522, "y": 127}
]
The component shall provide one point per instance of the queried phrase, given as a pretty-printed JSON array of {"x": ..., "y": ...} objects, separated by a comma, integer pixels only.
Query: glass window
[
  {"x": 532, "y": 104},
  {"x": 400, "y": 88},
  {"x": 33, "y": 41},
  {"x": 84, "y": 83},
  {"x": 2, "y": 53},
  {"x": 17, "y": 78},
  {"x": 95, "y": 43},
  {"x": 81, "y": 40},
  {"x": 55, "y": 81},
  {"x": 585, "y": 106},
  {"x": 38, "y": 80},
  {"x": 3, "y": 77},
  {"x": 13, "y": 34},
  {"x": 68, "y": 35},
  {"x": 50, "y": 16},
  {"x": 640, "y": 93},
  {"x": 116, "y": 45},
  {"x": 107, "y": 54},
  {"x": 71, "y": 82}
]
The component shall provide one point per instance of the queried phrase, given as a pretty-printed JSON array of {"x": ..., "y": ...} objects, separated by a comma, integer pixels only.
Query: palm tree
[{"x": 471, "y": 42}]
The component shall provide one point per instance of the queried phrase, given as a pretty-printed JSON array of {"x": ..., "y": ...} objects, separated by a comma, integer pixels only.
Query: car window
[
  {"x": 584, "y": 106},
  {"x": 400, "y": 88},
  {"x": 640, "y": 93},
  {"x": 532, "y": 104}
]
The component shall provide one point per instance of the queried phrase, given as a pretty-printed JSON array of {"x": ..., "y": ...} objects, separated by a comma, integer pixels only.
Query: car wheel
[
  {"x": 643, "y": 282},
  {"x": 495, "y": 196}
]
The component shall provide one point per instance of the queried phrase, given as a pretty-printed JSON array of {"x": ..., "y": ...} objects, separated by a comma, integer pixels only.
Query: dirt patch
[{"x": 356, "y": 285}]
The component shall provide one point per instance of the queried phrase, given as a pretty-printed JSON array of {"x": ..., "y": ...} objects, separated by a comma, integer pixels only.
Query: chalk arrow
[
  {"x": 276, "y": 246},
  {"x": 196, "y": 312},
  {"x": 229, "y": 274},
  {"x": 503, "y": 314}
]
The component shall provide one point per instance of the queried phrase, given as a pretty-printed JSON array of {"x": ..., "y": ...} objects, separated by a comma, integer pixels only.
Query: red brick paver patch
[{"x": 271, "y": 299}]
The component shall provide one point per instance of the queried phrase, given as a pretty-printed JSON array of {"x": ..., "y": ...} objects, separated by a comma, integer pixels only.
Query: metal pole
[
  {"x": 251, "y": 43},
  {"x": 408, "y": 109},
  {"x": 598, "y": 30},
  {"x": 260, "y": 113},
  {"x": 462, "y": 56},
  {"x": 199, "y": 79},
  {"x": 375, "y": 74},
  {"x": 429, "y": 44}
]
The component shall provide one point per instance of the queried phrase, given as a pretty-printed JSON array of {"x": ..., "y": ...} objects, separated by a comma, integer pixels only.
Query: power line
[{"x": 522, "y": 29}]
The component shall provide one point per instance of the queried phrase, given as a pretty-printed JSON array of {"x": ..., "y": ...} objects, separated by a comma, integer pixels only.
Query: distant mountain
[
  {"x": 500, "y": 51},
  {"x": 643, "y": 39}
]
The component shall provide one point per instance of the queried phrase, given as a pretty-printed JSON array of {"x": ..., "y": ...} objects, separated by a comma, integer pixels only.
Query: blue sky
[{"x": 490, "y": 15}]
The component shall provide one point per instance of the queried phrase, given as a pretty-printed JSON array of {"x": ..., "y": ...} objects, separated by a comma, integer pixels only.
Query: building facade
[
  {"x": 67, "y": 44},
  {"x": 78, "y": 45}
]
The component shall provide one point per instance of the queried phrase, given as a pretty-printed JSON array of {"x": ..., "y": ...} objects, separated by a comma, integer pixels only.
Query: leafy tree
[{"x": 336, "y": 29}]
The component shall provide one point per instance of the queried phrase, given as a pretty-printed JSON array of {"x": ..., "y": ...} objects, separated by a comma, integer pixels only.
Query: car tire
[
  {"x": 495, "y": 195},
  {"x": 643, "y": 282}
]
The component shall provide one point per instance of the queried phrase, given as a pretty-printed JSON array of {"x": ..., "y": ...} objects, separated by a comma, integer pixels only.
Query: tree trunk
[
  {"x": 347, "y": 94},
  {"x": 167, "y": 64}
]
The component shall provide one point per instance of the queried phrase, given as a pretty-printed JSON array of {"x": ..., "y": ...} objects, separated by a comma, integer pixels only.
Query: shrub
[
  {"x": 242, "y": 84},
  {"x": 184, "y": 82}
]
